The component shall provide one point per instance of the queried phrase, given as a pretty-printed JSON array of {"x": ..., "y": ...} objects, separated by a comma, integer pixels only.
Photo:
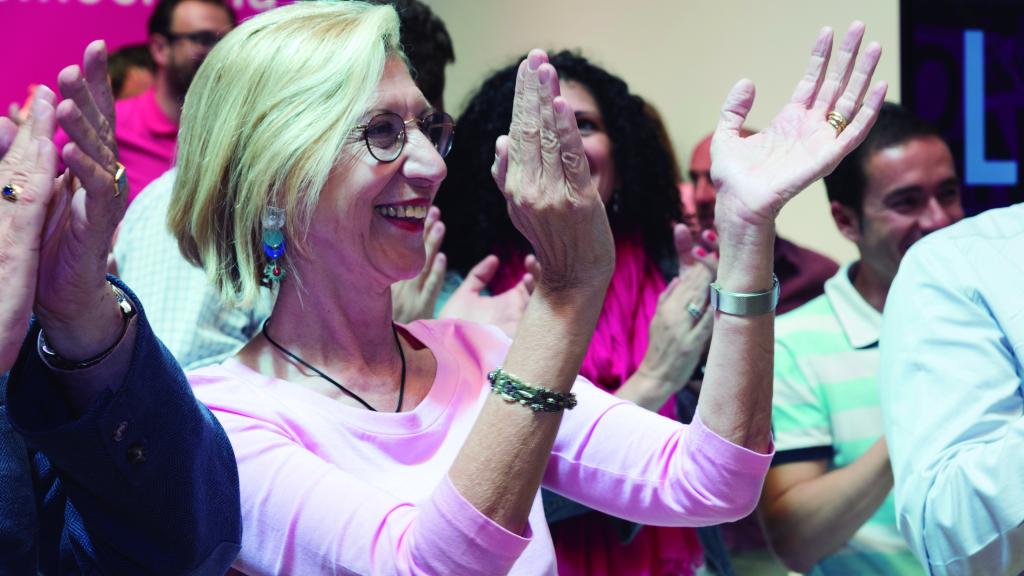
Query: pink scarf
[{"x": 587, "y": 544}]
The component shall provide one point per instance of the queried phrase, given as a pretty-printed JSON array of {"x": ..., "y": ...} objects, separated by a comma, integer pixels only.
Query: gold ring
[
  {"x": 837, "y": 121},
  {"x": 120, "y": 180},
  {"x": 10, "y": 192}
]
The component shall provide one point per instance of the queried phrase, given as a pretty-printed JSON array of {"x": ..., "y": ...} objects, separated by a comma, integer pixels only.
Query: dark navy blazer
[{"x": 144, "y": 482}]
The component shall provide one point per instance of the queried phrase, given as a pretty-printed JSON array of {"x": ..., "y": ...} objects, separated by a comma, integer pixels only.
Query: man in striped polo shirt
[{"x": 827, "y": 504}]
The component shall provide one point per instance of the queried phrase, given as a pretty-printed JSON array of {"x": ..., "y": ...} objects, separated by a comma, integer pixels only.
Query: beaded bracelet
[{"x": 536, "y": 398}]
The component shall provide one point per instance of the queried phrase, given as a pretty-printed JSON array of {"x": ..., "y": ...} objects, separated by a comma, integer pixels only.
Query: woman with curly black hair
[{"x": 651, "y": 334}]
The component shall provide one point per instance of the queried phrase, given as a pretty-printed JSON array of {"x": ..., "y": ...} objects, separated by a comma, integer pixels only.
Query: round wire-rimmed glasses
[{"x": 385, "y": 134}]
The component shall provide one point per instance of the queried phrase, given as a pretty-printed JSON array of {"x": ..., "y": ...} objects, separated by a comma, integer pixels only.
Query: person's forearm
[
  {"x": 815, "y": 518},
  {"x": 736, "y": 396},
  {"x": 646, "y": 391},
  {"x": 500, "y": 467},
  {"x": 81, "y": 337}
]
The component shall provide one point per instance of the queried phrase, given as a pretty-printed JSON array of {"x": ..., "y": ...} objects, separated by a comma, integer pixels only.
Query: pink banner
[{"x": 39, "y": 37}]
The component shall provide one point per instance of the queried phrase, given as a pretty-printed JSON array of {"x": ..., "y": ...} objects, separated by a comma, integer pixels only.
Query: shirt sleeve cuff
[
  {"x": 469, "y": 535},
  {"x": 731, "y": 464}
]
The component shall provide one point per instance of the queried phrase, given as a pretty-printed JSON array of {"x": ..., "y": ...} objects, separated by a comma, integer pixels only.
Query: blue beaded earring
[{"x": 273, "y": 245}]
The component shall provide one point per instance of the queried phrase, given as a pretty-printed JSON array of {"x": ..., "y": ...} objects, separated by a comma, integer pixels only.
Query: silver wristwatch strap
[{"x": 745, "y": 303}]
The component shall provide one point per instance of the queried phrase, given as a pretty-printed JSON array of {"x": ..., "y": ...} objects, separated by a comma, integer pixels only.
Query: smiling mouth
[{"x": 403, "y": 212}]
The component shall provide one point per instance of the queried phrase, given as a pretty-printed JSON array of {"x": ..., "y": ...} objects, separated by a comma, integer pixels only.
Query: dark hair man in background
[
  {"x": 827, "y": 503},
  {"x": 181, "y": 34}
]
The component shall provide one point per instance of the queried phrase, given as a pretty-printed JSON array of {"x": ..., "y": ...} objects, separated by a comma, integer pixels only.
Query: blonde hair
[{"x": 263, "y": 124}]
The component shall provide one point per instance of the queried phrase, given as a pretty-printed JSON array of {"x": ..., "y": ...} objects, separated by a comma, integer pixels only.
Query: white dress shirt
[{"x": 951, "y": 389}]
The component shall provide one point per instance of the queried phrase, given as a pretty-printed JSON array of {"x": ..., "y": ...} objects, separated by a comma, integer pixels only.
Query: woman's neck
[
  {"x": 341, "y": 327},
  {"x": 331, "y": 322}
]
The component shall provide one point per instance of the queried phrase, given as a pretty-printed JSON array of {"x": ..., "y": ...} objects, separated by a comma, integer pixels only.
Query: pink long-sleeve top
[{"x": 327, "y": 488}]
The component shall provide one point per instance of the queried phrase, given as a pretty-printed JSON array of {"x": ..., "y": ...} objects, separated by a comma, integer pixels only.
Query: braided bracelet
[{"x": 536, "y": 398}]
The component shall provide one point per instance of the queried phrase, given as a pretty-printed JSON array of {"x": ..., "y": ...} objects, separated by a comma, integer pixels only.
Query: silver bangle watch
[
  {"x": 745, "y": 303},
  {"x": 128, "y": 311}
]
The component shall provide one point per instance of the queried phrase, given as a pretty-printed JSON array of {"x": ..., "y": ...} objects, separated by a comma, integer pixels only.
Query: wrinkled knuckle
[
  {"x": 573, "y": 161},
  {"x": 530, "y": 129},
  {"x": 549, "y": 139}
]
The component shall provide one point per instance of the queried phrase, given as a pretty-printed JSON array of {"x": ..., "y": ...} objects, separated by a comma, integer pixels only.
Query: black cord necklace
[{"x": 401, "y": 354}]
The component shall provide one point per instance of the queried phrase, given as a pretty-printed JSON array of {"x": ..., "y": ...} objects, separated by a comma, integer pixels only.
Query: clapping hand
[
  {"x": 504, "y": 310},
  {"x": 757, "y": 175},
  {"x": 29, "y": 160},
  {"x": 73, "y": 302},
  {"x": 681, "y": 328},
  {"x": 415, "y": 298},
  {"x": 542, "y": 170}
]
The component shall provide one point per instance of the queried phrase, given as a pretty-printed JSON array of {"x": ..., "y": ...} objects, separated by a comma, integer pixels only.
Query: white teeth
[{"x": 411, "y": 212}]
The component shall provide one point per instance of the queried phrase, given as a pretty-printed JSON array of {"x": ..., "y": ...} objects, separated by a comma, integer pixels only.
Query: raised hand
[
  {"x": 756, "y": 176},
  {"x": 551, "y": 199},
  {"x": 504, "y": 310},
  {"x": 415, "y": 298},
  {"x": 73, "y": 302},
  {"x": 29, "y": 160},
  {"x": 681, "y": 328}
]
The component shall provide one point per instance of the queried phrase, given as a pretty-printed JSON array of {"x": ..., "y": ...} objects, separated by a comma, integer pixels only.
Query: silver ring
[{"x": 694, "y": 311}]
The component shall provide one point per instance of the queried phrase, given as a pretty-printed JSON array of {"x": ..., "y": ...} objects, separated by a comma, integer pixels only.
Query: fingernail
[
  {"x": 544, "y": 76},
  {"x": 559, "y": 105},
  {"x": 532, "y": 62},
  {"x": 712, "y": 237},
  {"x": 700, "y": 252},
  {"x": 437, "y": 230}
]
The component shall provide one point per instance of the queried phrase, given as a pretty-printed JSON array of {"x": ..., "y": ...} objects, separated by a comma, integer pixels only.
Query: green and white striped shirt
[{"x": 826, "y": 406}]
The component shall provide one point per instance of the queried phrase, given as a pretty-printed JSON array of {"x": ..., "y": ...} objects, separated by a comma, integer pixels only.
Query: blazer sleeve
[
  {"x": 147, "y": 468},
  {"x": 18, "y": 517}
]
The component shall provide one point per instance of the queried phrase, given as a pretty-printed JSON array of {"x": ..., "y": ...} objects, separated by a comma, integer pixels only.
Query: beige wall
[{"x": 683, "y": 56}]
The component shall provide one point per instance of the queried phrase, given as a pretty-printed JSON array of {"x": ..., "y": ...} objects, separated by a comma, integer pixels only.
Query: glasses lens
[
  {"x": 206, "y": 39},
  {"x": 439, "y": 128},
  {"x": 384, "y": 135}
]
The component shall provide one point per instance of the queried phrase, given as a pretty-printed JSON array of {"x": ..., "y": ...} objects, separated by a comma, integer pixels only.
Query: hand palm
[
  {"x": 796, "y": 149},
  {"x": 86, "y": 208},
  {"x": 757, "y": 175},
  {"x": 67, "y": 247}
]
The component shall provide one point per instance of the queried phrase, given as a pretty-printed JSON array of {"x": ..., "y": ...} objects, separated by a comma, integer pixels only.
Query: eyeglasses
[
  {"x": 385, "y": 134},
  {"x": 204, "y": 38}
]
